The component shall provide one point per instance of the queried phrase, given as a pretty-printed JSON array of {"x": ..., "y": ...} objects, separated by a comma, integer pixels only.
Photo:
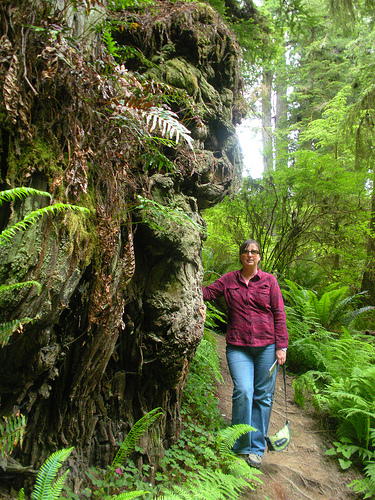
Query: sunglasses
[{"x": 252, "y": 252}]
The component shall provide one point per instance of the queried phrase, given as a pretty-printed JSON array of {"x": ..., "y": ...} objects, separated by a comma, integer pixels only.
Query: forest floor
[{"x": 302, "y": 471}]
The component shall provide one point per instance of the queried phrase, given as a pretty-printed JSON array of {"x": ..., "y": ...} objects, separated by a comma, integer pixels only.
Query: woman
[{"x": 256, "y": 337}]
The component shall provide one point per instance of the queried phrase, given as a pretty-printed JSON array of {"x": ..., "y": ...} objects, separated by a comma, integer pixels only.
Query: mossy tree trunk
[{"x": 120, "y": 313}]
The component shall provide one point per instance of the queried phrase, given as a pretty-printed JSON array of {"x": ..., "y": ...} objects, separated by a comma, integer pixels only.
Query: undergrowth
[
  {"x": 200, "y": 465},
  {"x": 337, "y": 368}
]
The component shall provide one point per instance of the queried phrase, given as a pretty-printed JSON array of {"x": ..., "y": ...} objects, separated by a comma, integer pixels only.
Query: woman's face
[{"x": 251, "y": 256}]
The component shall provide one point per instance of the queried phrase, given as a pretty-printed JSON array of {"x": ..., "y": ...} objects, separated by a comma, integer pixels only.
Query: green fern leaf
[
  {"x": 11, "y": 433},
  {"x": 44, "y": 488},
  {"x": 138, "y": 429},
  {"x": 21, "y": 494},
  {"x": 20, "y": 192},
  {"x": 33, "y": 216},
  {"x": 111, "y": 44},
  {"x": 7, "y": 329},
  {"x": 226, "y": 438},
  {"x": 129, "y": 494},
  {"x": 18, "y": 286}
]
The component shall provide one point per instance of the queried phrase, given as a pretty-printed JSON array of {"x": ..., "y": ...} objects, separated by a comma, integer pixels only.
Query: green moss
[
  {"x": 38, "y": 156},
  {"x": 183, "y": 75}
]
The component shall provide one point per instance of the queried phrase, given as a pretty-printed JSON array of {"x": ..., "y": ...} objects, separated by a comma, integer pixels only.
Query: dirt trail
[{"x": 303, "y": 471}]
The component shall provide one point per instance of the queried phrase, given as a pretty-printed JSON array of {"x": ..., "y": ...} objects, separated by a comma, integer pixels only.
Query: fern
[
  {"x": 152, "y": 209},
  {"x": 364, "y": 486},
  {"x": 331, "y": 309},
  {"x": 128, "y": 495},
  {"x": 168, "y": 124},
  {"x": 209, "y": 484},
  {"x": 11, "y": 433},
  {"x": 7, "y": 329},
  {"x": 111, "y": 44},
  {"x": 132, "y": 438},
  {"x": 227, "y": 437},
  {"x": 33, "y": 216},
  {"x": 45, "y": 488},
  {"x": 20, "y": 192},
  {"x": 19, "y": 286},
  {"x": 213, "y": 315}
]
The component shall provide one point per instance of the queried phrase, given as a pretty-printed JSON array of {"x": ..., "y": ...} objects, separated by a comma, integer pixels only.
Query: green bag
[{"x": 282, "y": 438}]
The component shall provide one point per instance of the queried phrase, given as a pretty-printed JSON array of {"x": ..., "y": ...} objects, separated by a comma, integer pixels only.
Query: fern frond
[
  {"x": 363, "y": 486},
  {"x": 132, "y": 438},
  {"x": 168, "y": 124},
  {"x": 18, "y": 286},
  {"x": 11, "y": 433},
  {"x": 226, "y": 438},
  {"x": 44, "y": 488},
  {"x": 20, "y": 192},
  {"x": 33, "y": 216},
  {"x": 350, "y": 316},
  {"x": 7, "y": 329},
  {"x": 21, "y": 494},
  {"x": 129, "y": 494},
  {"x": 212, "y": 484},
  {"x": 156, "y": 209},
  {"x": 111, "y": 44}
]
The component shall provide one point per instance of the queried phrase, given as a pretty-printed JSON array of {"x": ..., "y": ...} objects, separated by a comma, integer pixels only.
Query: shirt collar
[{"x": 257, "y": 277}]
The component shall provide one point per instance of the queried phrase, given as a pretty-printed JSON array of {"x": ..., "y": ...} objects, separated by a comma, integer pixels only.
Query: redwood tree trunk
[{"x": 119, "y": 316}]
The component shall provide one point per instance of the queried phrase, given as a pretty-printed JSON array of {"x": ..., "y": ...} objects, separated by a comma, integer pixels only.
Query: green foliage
[
  {"x": 338, "y": 371},
  {"x": 19, "y": 193},
  {"x": 120, "y": 476},
  {"x": 333, "y": 308},
  {"x": 203, "y": 466},
  {"x": 30, "y": 219},
  {"x": 346, "y": 451},
  {"x": 12, "y": 430},
  {"x": 128, "y": 445},
  {"x": 199, "y": 393},
  {"x": 111, "y": 44},
  {"x": 340, "y": 384},
  {"x": 8, "y": 328},
  {"x": 47, "y": 487},
  {"x": 155, "y": 214},
  {"x": 213, "y": 316},
  {"x": 118, "y": 5}
]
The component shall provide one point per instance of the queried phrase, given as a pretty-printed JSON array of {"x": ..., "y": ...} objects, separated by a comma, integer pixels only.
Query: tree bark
[
  {"x": 120, "y": 316},
  {"x": 267, "y": 129}
]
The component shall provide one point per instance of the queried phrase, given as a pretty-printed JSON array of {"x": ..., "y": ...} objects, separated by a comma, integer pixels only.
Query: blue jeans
[{"x": 252, "y": 393}]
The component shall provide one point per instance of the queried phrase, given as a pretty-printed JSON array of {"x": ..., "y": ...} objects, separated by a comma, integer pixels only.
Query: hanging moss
[{"x": 32, "y": 159}]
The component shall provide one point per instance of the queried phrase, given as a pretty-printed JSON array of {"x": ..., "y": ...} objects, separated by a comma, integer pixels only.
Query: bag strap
[{"x": 286, "y": 406}]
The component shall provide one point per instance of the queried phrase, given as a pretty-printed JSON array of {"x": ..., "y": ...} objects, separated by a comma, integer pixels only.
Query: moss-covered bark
[{"x": 119, "y": 316}]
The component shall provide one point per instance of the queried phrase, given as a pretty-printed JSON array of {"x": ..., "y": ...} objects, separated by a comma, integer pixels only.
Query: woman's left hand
[{"x": 280, "y": 356}]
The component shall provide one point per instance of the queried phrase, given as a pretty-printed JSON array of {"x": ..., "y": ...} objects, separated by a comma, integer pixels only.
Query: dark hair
[{"x": 247, "y": 243}]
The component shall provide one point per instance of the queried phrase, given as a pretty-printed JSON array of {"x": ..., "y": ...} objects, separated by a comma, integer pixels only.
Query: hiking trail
[{"x": 302, "y": 471}]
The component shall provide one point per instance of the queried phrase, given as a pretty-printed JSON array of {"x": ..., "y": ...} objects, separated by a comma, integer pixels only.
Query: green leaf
[
  {"x": 345, "y": 464},
  {"x": 331, "y": 452},
  {"x": 45, "y": 488}
]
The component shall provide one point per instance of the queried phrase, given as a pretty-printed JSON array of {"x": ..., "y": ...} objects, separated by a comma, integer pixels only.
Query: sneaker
[
  {"x": 254, "y": 460},
  {"x": 243, "y": 456}
]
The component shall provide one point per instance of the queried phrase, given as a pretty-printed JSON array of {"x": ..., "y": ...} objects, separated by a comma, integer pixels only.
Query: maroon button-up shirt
[{"x": 256, "y": 314}]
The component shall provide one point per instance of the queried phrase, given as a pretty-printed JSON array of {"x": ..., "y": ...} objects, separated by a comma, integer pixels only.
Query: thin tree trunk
[
  {"x": 267, "y": 121},
  {"x": 368, "y": 280}
]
